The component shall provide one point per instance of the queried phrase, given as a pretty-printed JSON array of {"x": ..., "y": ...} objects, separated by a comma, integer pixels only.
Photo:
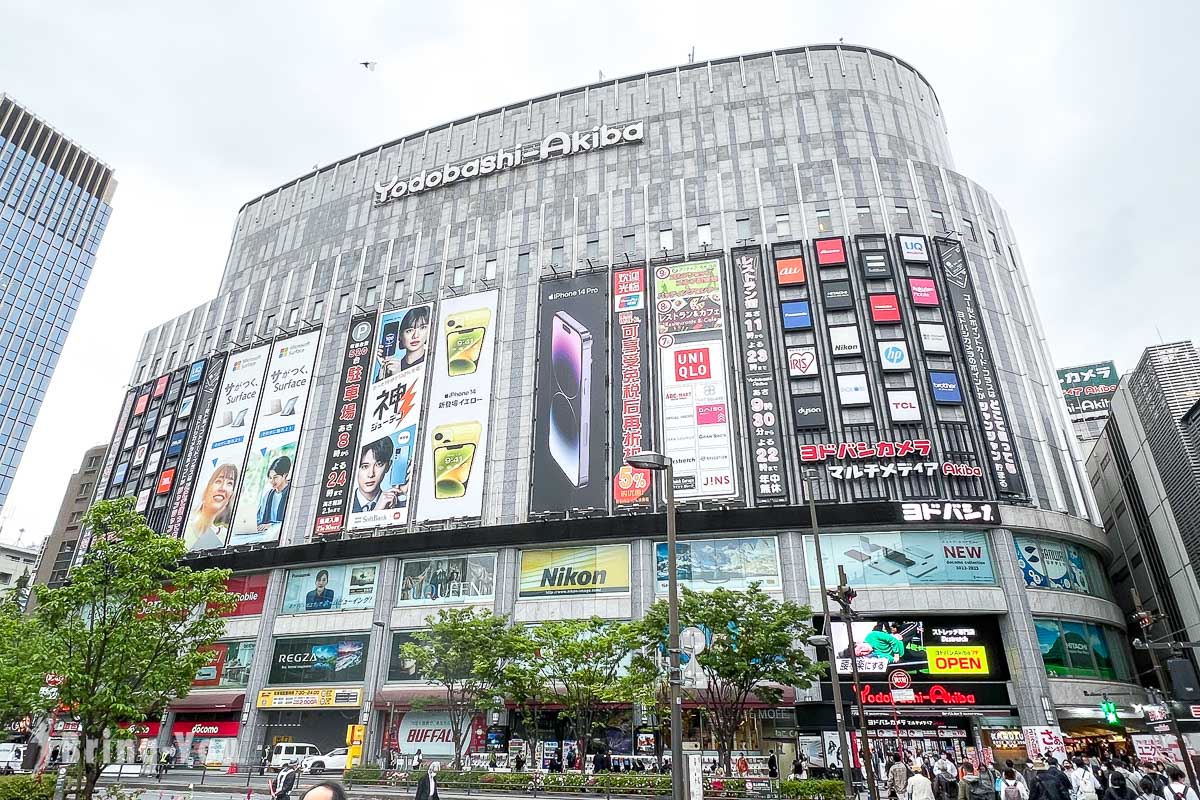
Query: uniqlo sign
[
  {"x": 692, "y": 365},
  {"x": 885, "y": 308},
  {"x": 790, "y": 271},
  {"x": 831, "y": 252}
]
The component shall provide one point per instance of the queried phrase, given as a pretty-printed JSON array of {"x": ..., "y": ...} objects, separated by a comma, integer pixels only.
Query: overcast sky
[{"x": 1081, "y": 118}]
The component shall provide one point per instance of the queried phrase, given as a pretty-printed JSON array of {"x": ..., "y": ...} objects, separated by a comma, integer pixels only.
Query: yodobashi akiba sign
[{"x": 558, "y": 144}]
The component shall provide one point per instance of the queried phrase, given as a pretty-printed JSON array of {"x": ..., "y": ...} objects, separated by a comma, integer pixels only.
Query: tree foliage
[
  {"x": 124, "y": 633},
  {"x": 584, "y": 664},
  {"x": 753, "y": 650},
  {"x": 464, "y": 651},
  {"x": 20, "y": 686}
]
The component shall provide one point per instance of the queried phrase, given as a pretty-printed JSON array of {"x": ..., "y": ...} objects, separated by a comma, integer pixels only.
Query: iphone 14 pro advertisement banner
[
  {"x": 455, "y": 450},
  {"x": 569, "y": 401}
]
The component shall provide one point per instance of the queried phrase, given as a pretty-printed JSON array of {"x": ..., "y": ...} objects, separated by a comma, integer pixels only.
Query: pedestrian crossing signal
[{"x": 1110, "y": 712}]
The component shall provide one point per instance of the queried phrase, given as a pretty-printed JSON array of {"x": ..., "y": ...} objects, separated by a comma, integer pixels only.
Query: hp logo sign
[{"x": 893, "y": 355}]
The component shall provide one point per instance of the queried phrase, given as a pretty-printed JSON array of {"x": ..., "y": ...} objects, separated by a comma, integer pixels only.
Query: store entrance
[{"x": 324, "y": 728}]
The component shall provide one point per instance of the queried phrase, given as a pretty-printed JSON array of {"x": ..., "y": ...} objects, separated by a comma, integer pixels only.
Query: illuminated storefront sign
[{"x": 554, "y": 145}]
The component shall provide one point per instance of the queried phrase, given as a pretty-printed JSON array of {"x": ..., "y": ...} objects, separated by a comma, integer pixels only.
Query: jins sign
[{"x": 556, "y": 144}]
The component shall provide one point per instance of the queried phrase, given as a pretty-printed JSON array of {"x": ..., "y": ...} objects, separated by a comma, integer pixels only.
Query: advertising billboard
[
  {"x": 722, "y": 563},
  {"x": 570, "y": 429},
  {"x": 884, "y": 308},
  {"x": 923, "y": 291},
  {"x": 875, "y": 264},
  {"x": 228, "y": 667},
  {"x": 934, "y": 338},
  {"x": 447, "y": 579},
  {"x": 945, "y": 387},
  {"x": 837, "y": 295},
  {"x": 191, "y": 459},
  {"x": 765, "y": 429},
  {"x": 399, "y": 667},
  {"x": 1052, "y": 564},
  {"x": 220, "y": 473},
  {"x": 790, "y": 271},
  {"x": 930, "y": 648},
  {"x": 460, "y": 398},
  {"x": 797, "y": 315},
  {"x": 913, "y": 249},
  {"x": 271, "y": 463},
  {"x": 894, "y": 356},
  {"x": 631, "y": 421},
  {"x": 802, "y": 362},
  {"x": 982, "y": 374},
  {"x": 383, "y": 464},
  {"x": 341, "y": 451},
  {"x": 250, "y": 592},
  {"x": 831, "y": 252},
  {"x": 1088, "y": 389},
  {"x": 595, "y": 569},
  {"x": 903, "y": 405},
  {"x": 904, "y": 558},
  {"x": 336, "y": 587},
  {"x": 845, "y": 341},
  {"x": 852, "y": 389},
  {"x": 809, "y": 411},
  {"x": 694, "y": 398},
  {"x": 320, "y": 659}
]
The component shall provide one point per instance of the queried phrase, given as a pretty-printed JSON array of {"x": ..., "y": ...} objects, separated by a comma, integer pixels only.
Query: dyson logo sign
[{"x": 554, "y": 145}]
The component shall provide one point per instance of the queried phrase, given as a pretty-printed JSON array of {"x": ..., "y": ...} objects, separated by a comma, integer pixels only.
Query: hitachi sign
[{"x": 556, "y": 144}]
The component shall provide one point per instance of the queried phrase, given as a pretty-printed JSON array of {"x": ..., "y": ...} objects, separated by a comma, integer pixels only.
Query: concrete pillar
[
  {"x": 250, "y": 738},
  {"x": 378, "y": 655},
  {"x": 1028, "y": 674}
]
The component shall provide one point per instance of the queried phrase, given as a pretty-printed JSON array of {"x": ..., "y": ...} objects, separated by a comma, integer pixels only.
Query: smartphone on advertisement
[
  {"x": 391, "y": 332},
  {"x": 453, "y": 456},
  {"x": 465, "y": 333},
  {"x": 570, "y": 406}
]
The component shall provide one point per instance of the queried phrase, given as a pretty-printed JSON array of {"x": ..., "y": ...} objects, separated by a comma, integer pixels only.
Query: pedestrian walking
[
  {"x": 1118, "y": 789},
  {"x": 427, "y": 788},
  {"x": 284, "y": 784},
  {"x": 918, "y": 787},
  {"x": 1013, "y": 785},
  {"x": 1049, "y": 782},
  {"x": 326, "y": 790},
  {"x": 897, "y": 778},
  {"x": 1177, "y": 787}
]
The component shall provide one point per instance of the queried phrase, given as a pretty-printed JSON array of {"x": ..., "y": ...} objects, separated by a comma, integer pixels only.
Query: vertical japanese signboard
[
  {"x": 981, "y": 369},
  {"x": 454, "y": 455},
  {"x": 385, "y": 460},
  {"x": 341, "y": 450},
  {"x": 220, "y": 472},
  {"x": 694, "y": 398},
  {"x": 569, "y": 430},
  {"x": 271, "y": 457},
  {"x": 758, "y": 365},
  {"x": 192, "y": 459},
  {"x": 631, "y": 381}
]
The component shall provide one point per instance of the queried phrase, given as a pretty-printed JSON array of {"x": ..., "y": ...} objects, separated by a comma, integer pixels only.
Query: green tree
[
  {"x": 753, "y": 650},
  {"x": 525, "y": 686},
  {"x": 465, "y": 652},
  {"x": 125, "y": 631},
  {"x": 585, "y": 664},
  {"x": 20, "y": 686}
]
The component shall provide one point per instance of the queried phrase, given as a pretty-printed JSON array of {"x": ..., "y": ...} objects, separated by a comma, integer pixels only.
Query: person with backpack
[
  {"x": 945, "y": 780},
  {"x": 1012, "y": 785},
  {"x": 976, "y": 787},
  {"x": 1118, "y": 789},
  {"x": 1049, "y": 782},
  {"x": 1177, "y": 787},
  {"x": 918, "y": 786},
  {"x": 1084, "y": 785}
]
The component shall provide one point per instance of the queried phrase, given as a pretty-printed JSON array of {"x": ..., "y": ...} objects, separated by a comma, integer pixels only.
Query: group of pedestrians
[{"x": 1042, "y": 780}]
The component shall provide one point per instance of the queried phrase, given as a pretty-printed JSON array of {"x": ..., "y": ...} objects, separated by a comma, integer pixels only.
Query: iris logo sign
[{"x": 945, "y": 387}]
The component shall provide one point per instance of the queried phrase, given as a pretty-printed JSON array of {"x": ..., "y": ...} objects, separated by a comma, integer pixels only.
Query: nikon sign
[
  {"x": 553, "y": 146},
  {"x": 602, "y": 569}
]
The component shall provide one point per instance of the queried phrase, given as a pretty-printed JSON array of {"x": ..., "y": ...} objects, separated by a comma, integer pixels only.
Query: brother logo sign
[{"x": 556, "y": 144}]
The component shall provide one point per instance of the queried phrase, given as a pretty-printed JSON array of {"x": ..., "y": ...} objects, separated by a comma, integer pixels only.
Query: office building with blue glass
[{"x": 55, "y": 200}]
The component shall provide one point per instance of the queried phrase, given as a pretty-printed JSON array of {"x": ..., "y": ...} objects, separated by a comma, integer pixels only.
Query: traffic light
[{"x": 1110, "y": 712}]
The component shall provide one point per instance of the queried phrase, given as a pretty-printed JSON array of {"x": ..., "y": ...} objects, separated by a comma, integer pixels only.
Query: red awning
[
  {"x": 403, "y": 696},
  {"x": 210, "y": 701}
]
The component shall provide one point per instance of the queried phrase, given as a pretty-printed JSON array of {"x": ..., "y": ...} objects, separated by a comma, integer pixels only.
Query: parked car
[
  {"x": 291, "y": 751},
  {"x": 333, "y": 761}
]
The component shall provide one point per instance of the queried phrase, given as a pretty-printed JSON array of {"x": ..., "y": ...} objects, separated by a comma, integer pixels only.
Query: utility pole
[
  {"x": 844, "y": 596},
  {"x": 1146, "y": 620},
  {"x": 810, "y": 479}
]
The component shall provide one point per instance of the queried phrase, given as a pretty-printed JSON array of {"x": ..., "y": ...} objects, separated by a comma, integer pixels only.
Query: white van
[
  {"x": 291, "y": 751},
  {"x": 11, "y": 754}
]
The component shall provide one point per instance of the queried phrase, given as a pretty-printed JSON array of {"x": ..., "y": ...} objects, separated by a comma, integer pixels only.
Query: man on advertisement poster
[
  {"x": 384, "y": 470},
  {"x": 275, "y": 438},
  {"x": 569, "y": 407},
  {"x": 275, "y": 499}
]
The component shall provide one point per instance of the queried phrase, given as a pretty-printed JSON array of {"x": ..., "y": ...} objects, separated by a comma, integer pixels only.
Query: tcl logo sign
[{"x": 692, "y": 365}]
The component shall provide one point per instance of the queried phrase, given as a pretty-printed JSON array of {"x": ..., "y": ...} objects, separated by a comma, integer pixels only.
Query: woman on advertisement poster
[
  {"x": 210, "y": 518},
  {"x": 403, "y": 344}
]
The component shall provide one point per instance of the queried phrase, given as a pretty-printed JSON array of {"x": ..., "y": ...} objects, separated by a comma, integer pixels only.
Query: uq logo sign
[{"x": 553, "y": 146}]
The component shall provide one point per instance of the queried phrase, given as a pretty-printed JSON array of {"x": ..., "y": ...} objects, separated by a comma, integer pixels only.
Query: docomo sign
[{"x": 556, "y": 144}]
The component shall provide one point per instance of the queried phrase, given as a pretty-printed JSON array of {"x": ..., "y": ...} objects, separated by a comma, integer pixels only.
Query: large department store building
[{"x": 427, "y": 362}]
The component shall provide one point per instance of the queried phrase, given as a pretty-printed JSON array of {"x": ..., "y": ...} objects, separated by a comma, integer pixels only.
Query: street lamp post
[
  {"x": 810, "y": 478},
  {"x": 656, "y": 462}
]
